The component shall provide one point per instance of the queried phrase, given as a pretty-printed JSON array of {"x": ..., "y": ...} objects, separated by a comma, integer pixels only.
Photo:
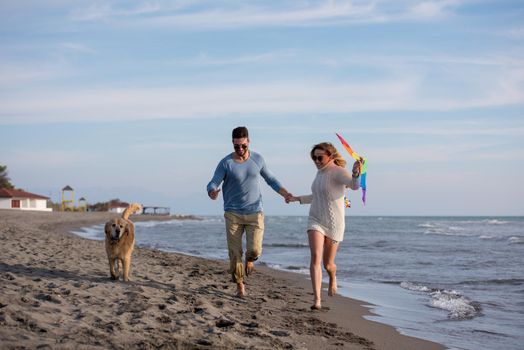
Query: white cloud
[
  {"x": 272, "y": 98},
  {"x": 255, "y": 16},
  {"x": 265, "y": 57},
  {"x": 174, "y": 146},
  {"x": 390, "y": 63},
  {"x": 229, "y": 14},
  {"x": 430, "y": 60},
  {"x": 508, "y": 88},
  {"x": 82, "y": 48},
  {"x": 16, "y": 74},
  {"x": 444, "y": 152},
  {"x": 40, "y": 158},
  {"x": 203, "y": 101},
  {"x": 431, "y": 9},
  {"x": 111, "y": 10},
  {"x": 517, "y": 33},
  {"x": 93, "y": 12},
  {"x": 462, "y": 127},
  {"x": 107, "y": 10}
]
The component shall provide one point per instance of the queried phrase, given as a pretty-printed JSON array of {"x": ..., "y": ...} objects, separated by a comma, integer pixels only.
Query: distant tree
[
  {"x": 5, "y": 181},
  {"x": 103, "y": 206},
  {"x": 53, "y": 205}
]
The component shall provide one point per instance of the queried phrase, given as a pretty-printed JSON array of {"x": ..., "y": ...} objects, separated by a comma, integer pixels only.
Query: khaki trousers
[{"x": 236, "y": 224}]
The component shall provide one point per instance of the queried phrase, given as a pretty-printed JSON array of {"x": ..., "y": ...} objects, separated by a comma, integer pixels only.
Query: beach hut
[{"x": 22, "y": 200}]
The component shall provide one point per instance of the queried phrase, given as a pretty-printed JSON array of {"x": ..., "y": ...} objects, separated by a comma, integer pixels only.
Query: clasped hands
[{"x": 290, "y": 198}]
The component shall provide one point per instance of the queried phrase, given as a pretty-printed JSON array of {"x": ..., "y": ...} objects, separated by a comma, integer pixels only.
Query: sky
[{"x": 136, "y": 100}]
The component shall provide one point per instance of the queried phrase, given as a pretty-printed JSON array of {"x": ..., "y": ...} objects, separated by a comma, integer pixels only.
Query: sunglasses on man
[{"x": 237, "y": 146}]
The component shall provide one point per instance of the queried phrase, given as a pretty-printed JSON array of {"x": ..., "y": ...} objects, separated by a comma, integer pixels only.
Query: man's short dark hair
[{"x": 240, "y": 132}]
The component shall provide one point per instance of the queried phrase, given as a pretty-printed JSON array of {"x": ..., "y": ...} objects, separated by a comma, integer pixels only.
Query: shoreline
[{"x": 56, "y": 292}]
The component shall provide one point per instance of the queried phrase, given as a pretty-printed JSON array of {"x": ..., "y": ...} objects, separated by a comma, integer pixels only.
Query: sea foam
[
  {"x": 93, "y": 232},
  {"x": 458, "y": 306}
]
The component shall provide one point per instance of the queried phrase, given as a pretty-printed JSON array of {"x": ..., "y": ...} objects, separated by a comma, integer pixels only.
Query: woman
[{"x": 326, "y": 216}]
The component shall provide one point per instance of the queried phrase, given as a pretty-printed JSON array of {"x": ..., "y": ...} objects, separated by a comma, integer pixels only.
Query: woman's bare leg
[
  {"x": 330, "y": 252},
  {"x": 316, "y": 246}
]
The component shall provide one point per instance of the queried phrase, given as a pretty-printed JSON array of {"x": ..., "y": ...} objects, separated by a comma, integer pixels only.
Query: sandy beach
[{"x": 56, "y": 294}]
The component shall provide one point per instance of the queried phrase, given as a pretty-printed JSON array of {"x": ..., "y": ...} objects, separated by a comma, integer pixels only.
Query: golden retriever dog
[{"x": 120, "y": 241}]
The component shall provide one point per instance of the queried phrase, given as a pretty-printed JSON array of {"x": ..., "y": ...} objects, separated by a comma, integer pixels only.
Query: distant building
[
  {"x": 118, "y": 207},
  {"x": 68, "y": 199},
  {"x": 82, "y": 204},
  {"x": 22, "y": 200}
]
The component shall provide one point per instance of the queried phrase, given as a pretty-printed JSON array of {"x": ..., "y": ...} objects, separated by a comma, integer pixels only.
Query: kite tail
[
  {"x": 363, "y": 175},
  {"x": 363, "y": 186}
]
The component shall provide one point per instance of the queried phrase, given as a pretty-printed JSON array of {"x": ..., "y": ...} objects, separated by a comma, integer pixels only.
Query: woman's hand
[{"x": 356, "y": 168}]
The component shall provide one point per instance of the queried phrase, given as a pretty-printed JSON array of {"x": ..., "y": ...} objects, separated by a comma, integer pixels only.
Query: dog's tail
[{"x": 133, "y": 208}]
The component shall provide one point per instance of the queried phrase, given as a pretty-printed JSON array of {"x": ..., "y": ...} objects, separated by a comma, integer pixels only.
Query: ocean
[{"x": 458, "y": 281}]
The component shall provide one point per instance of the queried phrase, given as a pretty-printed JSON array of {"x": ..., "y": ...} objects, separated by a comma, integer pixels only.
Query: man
[{"x": 240, "y": 173}]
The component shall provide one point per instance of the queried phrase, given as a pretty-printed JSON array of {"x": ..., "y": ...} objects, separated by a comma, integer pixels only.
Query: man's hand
[
  {"x": 284, "y": 193},
  {"x": 213, "y": 194}
]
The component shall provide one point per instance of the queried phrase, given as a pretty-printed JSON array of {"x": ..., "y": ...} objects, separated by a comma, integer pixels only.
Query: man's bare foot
[
  {"x": 250, "y": 267},
  {"x": 241, "y": 290},
  {"x": 332, "y": 289}
]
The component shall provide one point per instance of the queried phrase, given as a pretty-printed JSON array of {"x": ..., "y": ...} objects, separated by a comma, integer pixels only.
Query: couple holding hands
[{"x": 240, "y": 174}]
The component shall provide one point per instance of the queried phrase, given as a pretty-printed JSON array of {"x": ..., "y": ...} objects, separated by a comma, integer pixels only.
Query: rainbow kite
[{"x": 363, "y": 166}]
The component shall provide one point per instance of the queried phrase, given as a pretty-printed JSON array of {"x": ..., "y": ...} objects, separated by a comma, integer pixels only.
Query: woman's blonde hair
[{"x": 331, "y": 151}]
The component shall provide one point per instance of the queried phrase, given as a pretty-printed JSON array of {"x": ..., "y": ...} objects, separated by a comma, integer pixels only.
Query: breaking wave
[
  {"x": 458, "y": 306},
  {"x": 95, "y": 232},
  {"x": 496, "y": 222},
  {"x": 516, "y": 240}
]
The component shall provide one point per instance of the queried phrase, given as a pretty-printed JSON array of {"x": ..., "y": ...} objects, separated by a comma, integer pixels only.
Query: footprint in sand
[
  {"x": 199, "y": 310},
  {"x": 164, "y": 319},
  {"x": 172, "y": 299},
  {"x": 280, "y": 333},
  {"x": 223, "y": 323},
  {"x": 204, "y": 342}
]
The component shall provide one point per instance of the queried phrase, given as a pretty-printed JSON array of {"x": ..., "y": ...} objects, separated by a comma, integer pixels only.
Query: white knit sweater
[{"x": 326, "y": 214}]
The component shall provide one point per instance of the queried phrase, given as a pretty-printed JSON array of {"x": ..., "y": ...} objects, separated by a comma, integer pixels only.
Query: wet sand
[{"x": 55, "y": 293}]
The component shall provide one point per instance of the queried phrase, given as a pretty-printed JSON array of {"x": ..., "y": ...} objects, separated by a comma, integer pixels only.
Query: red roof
[{"x": 12, "y": 193}]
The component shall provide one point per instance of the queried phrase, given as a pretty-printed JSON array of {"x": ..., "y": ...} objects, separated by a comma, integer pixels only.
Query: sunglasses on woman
[
  {"x": 244, "y": 146},
  {"x": 317, "y": 158}
]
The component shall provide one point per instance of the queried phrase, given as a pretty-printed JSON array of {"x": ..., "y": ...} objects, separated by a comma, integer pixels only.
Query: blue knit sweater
[{"x": 241, "y": 188}]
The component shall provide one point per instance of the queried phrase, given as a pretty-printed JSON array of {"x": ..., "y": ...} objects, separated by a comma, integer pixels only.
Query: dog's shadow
[{"x": 7, "y": 271}]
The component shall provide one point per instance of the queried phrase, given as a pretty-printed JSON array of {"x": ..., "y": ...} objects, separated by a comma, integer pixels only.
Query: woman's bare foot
[
  {"x": 332, "y": 290},
  {"x": 241, "y": 290},
  {"x": 316, "y": 305},
  {"x": 250, "y": 267}
]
